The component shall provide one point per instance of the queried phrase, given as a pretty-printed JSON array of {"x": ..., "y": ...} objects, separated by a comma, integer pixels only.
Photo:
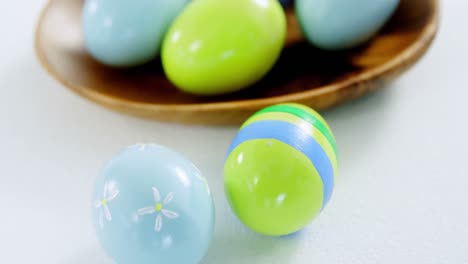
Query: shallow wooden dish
[{"x": 303, "y": 74}]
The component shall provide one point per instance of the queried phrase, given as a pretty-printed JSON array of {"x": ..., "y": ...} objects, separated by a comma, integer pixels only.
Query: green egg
[
  {"x": 280, "y": 169},
  {"x": 216, "y": 47}
]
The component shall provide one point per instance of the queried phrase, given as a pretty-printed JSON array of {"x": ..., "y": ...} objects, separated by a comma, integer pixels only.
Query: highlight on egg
[{"x": 280, "y": 169}]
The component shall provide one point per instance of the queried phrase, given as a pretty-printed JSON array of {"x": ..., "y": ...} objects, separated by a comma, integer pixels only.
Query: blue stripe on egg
[{"x": 295, "y": 137}]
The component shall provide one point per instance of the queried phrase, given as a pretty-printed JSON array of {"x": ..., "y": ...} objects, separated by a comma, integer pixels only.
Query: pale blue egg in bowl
[
  {"x": 124, "y": 33},
  {"x": 342, "y": 24}
]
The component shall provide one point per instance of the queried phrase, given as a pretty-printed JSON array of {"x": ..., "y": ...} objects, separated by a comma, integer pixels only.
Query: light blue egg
[
  {"x": 124, "y": 33},
  {"x": 152, "y": 205},
  {"x": 342, "y": 24}
]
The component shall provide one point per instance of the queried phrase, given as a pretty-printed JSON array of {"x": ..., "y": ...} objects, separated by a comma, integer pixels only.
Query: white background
[{"x": 402, "y": 195}]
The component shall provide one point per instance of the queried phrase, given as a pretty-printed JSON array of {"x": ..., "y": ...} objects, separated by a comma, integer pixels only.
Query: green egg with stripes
[{"x": 280, "y": 169}]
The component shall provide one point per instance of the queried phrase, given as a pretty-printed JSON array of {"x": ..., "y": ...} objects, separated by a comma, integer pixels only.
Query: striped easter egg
[{"x": 280, "y": 169}]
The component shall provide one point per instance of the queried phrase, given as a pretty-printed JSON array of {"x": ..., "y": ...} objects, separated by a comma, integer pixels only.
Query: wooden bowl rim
[{"x": 407, "y": 55}]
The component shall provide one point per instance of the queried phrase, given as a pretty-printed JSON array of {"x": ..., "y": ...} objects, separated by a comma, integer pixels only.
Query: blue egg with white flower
[
  {"x": 125, "y": 33},
  {"x": 152, "y": 205}
]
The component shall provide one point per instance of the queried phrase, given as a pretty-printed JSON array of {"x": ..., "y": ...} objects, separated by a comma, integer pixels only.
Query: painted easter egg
[
  {"x": 217, "y": 47},
  {"x": 152, "y": 205},
  {"x": 124, "y": 33},
  {"x": 280, "y": 169},
  {"x": 342, "y": 24}
]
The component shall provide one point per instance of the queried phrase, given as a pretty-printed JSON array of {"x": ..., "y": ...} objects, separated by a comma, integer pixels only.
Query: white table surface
[{"x": 402, "y": 195}]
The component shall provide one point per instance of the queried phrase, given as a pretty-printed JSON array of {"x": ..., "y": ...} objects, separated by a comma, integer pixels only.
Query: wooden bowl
[{"x": 303, "y": 74}]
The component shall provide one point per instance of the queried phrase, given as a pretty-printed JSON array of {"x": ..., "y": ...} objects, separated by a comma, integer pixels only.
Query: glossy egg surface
[
  {"x": 280, "y": 169},
  {"x": 152, "y": 205},
  {"x": 342, "y": 24},
  {"x": 217, "y": 47},
  {"x": 126, "y": 33}
]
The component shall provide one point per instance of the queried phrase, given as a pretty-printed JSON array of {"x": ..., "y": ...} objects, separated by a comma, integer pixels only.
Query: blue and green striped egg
[{"x": 280, "y": 169}]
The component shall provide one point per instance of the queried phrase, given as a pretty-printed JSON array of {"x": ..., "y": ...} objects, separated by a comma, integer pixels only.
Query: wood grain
[{"x": 303, "y": 74}]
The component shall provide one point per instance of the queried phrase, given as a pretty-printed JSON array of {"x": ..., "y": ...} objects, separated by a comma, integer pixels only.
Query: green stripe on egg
[
  {"x": 305, "y": 113},
  {"x": 307, "y": 126},
  {"x": 280, "y": 169}
]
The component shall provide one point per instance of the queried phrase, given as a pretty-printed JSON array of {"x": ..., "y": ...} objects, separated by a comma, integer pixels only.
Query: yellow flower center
[
  {"x": 158, "y": 207},
  {"x": 104, "y": 201}
]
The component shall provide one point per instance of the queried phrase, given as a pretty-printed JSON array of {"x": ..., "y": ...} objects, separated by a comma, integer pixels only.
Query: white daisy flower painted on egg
[
  {"x": 159, "y": 208},
  {"x": 110, "y": 193}
]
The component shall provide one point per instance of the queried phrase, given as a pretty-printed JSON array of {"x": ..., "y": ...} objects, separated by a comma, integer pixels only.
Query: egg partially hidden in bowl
[
  {"x": 125, "y": 33},
  {"x": 342, "y": 24}
]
